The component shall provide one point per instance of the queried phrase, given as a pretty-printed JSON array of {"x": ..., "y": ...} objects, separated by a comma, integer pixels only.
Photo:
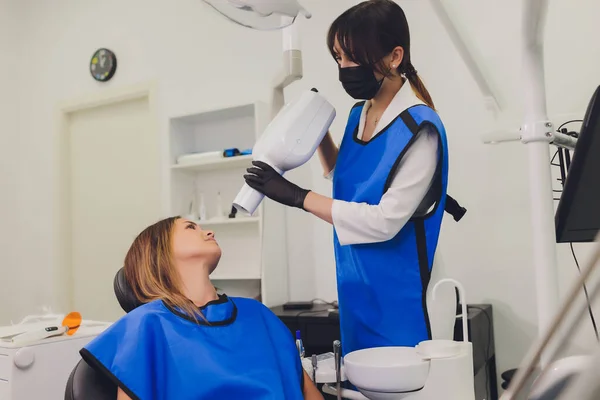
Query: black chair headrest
[
  {"x": 87, "y": 383},
  {"x": 124, "y": 293}
]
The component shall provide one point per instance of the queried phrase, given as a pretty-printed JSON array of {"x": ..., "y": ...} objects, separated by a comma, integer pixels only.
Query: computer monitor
[{"x": 578, "y": 214}]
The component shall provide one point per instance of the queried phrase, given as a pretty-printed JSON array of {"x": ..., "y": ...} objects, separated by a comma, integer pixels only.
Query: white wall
[
  {"x": 175, "y": 44},
  {"x": 9, "y": 142}
]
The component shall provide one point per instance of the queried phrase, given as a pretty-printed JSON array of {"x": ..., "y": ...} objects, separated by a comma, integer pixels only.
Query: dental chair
[{"x": 84, "y": 382}]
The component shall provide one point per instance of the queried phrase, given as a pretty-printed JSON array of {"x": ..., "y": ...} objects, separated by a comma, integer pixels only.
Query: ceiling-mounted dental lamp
[{"x": 260, "y": 14}]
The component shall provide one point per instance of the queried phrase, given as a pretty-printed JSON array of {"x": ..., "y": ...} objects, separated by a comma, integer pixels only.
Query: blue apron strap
[{"x": 452, "y": 206}]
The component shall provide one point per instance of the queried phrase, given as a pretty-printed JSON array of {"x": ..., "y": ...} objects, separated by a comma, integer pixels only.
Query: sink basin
[{"x": 386, "y": 369}]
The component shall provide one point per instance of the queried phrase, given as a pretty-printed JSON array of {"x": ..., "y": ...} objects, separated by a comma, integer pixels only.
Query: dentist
[{"x": 389, "y": 175}]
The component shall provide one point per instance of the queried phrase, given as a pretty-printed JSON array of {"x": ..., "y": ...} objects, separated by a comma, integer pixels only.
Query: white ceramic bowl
[
  {"x": 386, "y": 369},
  {"x": 432, "y": 349}
]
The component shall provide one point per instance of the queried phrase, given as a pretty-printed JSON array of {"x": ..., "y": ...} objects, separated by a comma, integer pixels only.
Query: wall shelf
[
  {"x": 254, "y": 258},
  {"x": 228, "y": 221},
  {"x": 244, "y": 161}
]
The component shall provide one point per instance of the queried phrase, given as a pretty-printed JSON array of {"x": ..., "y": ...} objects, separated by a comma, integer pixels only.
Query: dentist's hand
[{"x": 264, "y": 179}]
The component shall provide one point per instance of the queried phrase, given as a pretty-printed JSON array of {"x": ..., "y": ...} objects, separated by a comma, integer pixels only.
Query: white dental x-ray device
[{"x": 289, "y": 141}]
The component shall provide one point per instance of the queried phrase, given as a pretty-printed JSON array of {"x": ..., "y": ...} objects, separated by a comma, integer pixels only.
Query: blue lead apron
[
  {"x": 243, "y": 352},
  {"x": 382, "y": 286}
]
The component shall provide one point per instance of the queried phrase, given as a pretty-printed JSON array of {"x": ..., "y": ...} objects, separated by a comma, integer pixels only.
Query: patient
[{"x": 188, "y": 342}]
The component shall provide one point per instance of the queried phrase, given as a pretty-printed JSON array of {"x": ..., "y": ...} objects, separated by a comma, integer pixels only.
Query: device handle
[{"x": 39, "y": 334}]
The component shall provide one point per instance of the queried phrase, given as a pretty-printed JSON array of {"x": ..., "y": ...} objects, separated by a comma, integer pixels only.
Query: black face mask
[{"x": 360, "y": 82}]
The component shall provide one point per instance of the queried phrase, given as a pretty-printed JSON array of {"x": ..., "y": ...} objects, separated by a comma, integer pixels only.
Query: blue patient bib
[
  {"x": 242, "y": 351},
  {"x": 382, "y": 286}
]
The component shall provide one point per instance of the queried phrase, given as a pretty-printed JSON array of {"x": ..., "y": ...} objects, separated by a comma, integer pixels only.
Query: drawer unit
[
  {"x": 5, "y": 361},
  {"x": 3, "y": 390}
]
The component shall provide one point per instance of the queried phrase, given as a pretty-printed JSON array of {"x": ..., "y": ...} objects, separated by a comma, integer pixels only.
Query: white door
[{"x": 115, "y": 193}]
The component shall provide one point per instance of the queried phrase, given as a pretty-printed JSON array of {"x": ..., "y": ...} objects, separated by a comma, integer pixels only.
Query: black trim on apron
[
  {"x": 423, "y": 268},
  {"x": 95, "y": 364},
  {"x": 200, "y": 321}
]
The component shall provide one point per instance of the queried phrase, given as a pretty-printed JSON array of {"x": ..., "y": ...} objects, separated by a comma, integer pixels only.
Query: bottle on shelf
[
  {"x": 220, "y": 213},
  {"x": 202, "y": 208},
  {"x": 192, "y": 215}
]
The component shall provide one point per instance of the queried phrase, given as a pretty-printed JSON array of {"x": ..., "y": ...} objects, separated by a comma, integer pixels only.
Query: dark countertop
[{"x": 317, "y": 311}]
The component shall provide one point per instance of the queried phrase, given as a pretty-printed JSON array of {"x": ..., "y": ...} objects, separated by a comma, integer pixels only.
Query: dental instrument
[
  {"x": 299, "y": 344},
  {"x": 69, "y": 326},
  {"x": 325, "y": 371},
  {"x": 39, "y": 334},
  {"x": 313, "y": 359},
  {"x": 337, "y": 353}
]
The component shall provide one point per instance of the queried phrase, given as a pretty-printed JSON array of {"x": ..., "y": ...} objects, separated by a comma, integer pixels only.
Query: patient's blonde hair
[{"x": 150, "y": 271}]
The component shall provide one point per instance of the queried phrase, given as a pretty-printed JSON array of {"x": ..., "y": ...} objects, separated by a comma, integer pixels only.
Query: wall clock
[{"x": 103, "y": 65}]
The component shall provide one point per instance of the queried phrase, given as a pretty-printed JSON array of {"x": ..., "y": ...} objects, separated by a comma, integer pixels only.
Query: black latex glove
[{"x": 264, "y": 179}]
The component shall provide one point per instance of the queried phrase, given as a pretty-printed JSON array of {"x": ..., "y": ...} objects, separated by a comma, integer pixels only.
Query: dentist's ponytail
[{"x": 417, "y": 85}]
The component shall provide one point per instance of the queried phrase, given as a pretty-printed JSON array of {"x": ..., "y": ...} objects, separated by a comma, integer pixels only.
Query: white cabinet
[
  {"x": 254, "y": 260},
  {"x": 40, "y": 370}
]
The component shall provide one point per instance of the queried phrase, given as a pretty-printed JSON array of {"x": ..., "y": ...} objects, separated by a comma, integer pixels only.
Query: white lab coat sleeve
[{"x": 360, "y": 223}]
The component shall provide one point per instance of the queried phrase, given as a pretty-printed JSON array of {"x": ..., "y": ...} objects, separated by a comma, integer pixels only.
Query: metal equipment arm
[{"x": 537, "y": 135}]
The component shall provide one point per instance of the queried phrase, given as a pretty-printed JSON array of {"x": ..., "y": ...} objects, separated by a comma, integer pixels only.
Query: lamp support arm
[{"x": 291, "y": 70}]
